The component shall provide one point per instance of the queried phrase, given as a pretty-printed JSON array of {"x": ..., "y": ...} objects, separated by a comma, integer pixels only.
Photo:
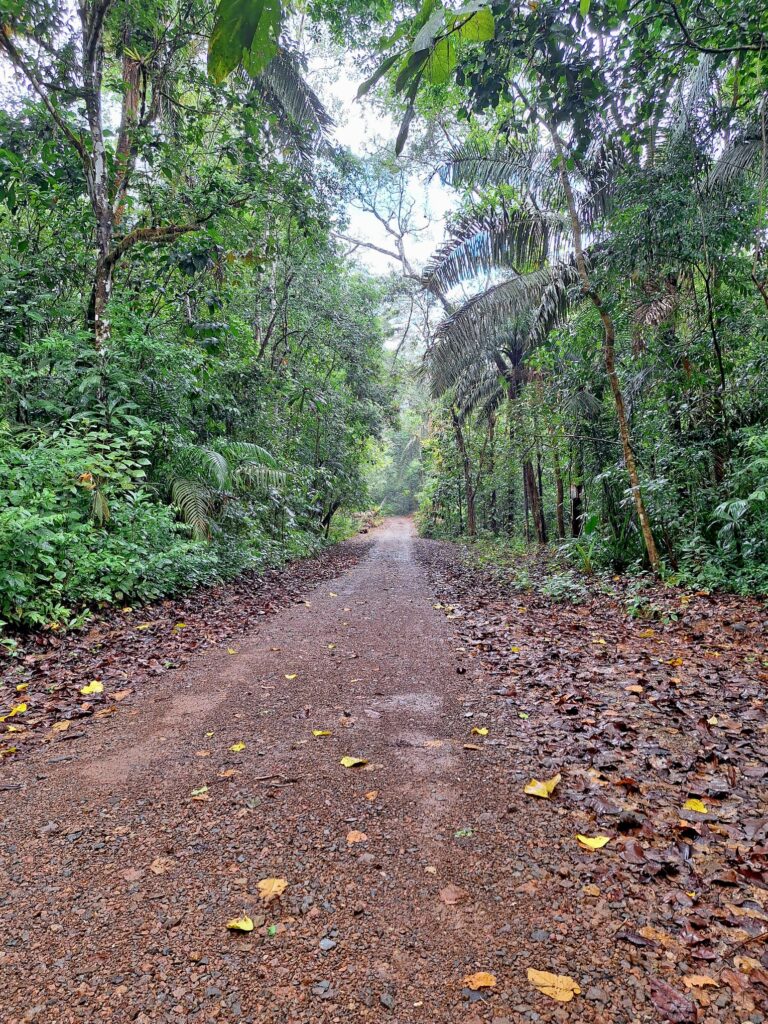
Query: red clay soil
[{"x": 119, "y": 870}]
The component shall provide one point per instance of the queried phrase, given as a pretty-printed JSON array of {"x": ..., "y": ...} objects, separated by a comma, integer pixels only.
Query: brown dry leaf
[
  {"x": 371, "y": 794},
  {"x": 356, "y": 837},
  {"x": 119, "y": 695},
  {"x": 60, "y": 726},
  {"x": 482, "y": 979},
  {"x": 202, "y": 753},
  {"x": 591, "y": 890},
  {"x": 656, "y": 935},
  {"x": 451, "y": 895},
  {"x": 699, "y": 981},
  {"x": 543, "y": 789},
  {"x": 160, "y": 865},
  {"x": 271, "y": 888},
  {"x": 556, "y": 986},
  {"x": 472, "y": 746},
  {"x": 745, "y": 964},
  {"x": 228, "y": 773}
]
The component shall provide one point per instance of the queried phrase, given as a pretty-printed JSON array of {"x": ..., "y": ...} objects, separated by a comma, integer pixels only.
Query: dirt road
[{"x": 120, "y": 869}]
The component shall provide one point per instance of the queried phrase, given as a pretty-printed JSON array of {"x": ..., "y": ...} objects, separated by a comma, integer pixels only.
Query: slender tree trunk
[
  {"x": 469, "y": 488},
  {"x": 609, "y": 357},
  {"x": 534, "y": 501},
  {"x": 559, "y": 494}
]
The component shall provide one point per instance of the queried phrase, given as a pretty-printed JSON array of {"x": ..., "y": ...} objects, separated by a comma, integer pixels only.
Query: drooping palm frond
[
  {"x": 472, "y": 331},
  {"x": 481, "y": 388},
  {"x": 742, "y": 157},
  {"x": 300, "y": 113},
  {"x": 194, "y": 501},
  {"x": 527, "y": 167},
  {"x": 482, "y": 241},
  {"x": 203, "y": 478}
]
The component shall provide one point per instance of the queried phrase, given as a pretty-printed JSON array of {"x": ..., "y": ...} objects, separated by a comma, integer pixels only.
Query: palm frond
[
  {"x": 194, "y": 502},
  {"x": 290, "y": 97},
  {"x": 742, "y": 157},
  {"x": 481, "y": 241},
  {"x": 527, "y": 167}
]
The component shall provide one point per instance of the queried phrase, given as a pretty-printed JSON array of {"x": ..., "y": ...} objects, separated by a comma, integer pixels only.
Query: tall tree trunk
[
  {"x": 534, "y": 501},
  {"x": 559, "y": 494},
  {"x": 609, "y": 358},
  {"x": 469, "y": 488}
]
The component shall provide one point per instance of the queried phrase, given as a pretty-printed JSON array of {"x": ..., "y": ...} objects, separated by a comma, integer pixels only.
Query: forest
[{"x": 383, "y": 511}]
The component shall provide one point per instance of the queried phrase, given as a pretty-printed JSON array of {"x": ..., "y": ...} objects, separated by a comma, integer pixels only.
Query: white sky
[{"x": 363, "y": 128}]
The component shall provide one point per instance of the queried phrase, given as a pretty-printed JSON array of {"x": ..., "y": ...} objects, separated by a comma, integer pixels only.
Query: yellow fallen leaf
[
  {"x": 93, "y": 687},
  {"x": 180, "y": 625},
  {"x": 15, "y": 728},
  {"x": 60, "y": 726},
  {"x": 292, "y": 676},
  {"x": 482, "y": 979},
  {"x": 353, "y": 762},
  {"x": 556, "y": 986},
  {"x": 17, "y": 709},
  {"x": 321, "y": 732},
  {"x": 478, "y": 730},
  {"x": 231, "y": 650},
  {"x": 543, "y": 789},
  {"x": 240, "y": 924},
  {"x": 356, "y": 837},
  {"x": 209, "y": 734},
  {"x": 331, "y": 647},
  {"x": 331, "y": 594},
  {"x": 144, "y": 625},
  {"x": 7, "y": 751},
  {"x": 515, "y": 650},
  {"x": 647, "y": 634},
  {"x": 596, "y": 843},
  {"x": 371, "y": 794},
  {"x": 695, "y": 805},
  {"x": 271, "y": 888},
  {"x": 712, "y": 720},
  {"x": 200, "y": 791},
  {"x": 237, "y": 747},
  {"x": 22, "y": 687},
  {"x": 600, "y": 642},
  {"x": 699, "y": 981}
]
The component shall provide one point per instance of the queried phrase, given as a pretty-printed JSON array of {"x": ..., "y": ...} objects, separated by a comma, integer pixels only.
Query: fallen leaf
[
  {"x": 119, "y": 695},
  {"x": 712, "y": 720},
  {"x": 478, "y": 730},
  {"x": 228, "y": 773},
  {"x": 472, "y": 746},
  {"x": 480, "y": 980},
  {"x": 695, "y": 805},
  {"x": 523, "y": 714},
  {"x": 237, "y": 747},
  {"x": 331, "y": 647},
  {"x": 672, "y": 1003},
  {"x": 271, "y": 888},
  {"x": 451, "y": 894},
  {"x": 543, "y": 789},
  {"x": 591, "y": 890},
  {"x": 292, "y": 676},
  {"x": 371, "y": 794},
  {"x": 144, "y": 625},
  {"x": 240, "y": 924},
  {"x": 17, "y": 709},
  {"x": 199, "y": 792},
  {"x": 60, "y": 726},
  {"x": 202, "y": 753},
  {"x": 22, "y": 688},
  {"x": 231, "y": 650},
  {"x": 93, "y": 687},
  {"x": 594, "y": 843},
  {"x": 7, "y": 751},
  {"x": 353, "y": 762},
  {"x": 321, "y": 732},
  {"x": 356, "y": 837},
  {"x": 160, "y": 865},
  {"x": 432, "y": 744},
  {"x": 556, "y": 986},
  {"x": 699, "y": 981}
]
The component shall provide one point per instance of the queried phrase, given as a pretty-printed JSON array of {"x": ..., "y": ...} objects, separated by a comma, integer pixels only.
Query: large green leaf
[
  {"x": 479, "y": 28},
  {"x": 245, "y": 32}
]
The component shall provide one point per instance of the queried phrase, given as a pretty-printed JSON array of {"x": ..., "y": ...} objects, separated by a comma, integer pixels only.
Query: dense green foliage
[
  {"x": 600, "y": 373},
  {"x": 218, "y": 408}
]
